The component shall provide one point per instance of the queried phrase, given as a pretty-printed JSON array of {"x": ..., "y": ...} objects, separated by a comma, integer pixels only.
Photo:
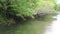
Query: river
[{"x": 54, "y": 27}]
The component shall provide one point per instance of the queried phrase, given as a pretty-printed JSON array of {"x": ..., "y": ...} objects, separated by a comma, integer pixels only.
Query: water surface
[{"x": 54, "y": 27}]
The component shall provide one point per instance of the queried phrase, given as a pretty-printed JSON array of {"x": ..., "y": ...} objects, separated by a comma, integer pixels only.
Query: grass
[{"x": 28, "y": 27}]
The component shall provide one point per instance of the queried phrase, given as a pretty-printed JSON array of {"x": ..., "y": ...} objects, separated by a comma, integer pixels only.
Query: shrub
[{"x": 13, "y": 11}]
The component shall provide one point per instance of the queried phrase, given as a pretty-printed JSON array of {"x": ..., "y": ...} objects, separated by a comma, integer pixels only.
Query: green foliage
[
  {"x": 58, "y": 7},
  {"x": 24, "y": 7},
  {"x": 11, "y": 9}
]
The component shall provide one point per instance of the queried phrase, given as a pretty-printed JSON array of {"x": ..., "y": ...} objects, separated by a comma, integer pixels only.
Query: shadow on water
[
  {"x": 7, "y": 29},
  {"x": 27, "y": 27},
  {"x": 14, "y": 28}
]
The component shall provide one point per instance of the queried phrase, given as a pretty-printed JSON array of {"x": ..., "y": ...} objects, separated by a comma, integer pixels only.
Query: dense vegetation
[
  {"x": 58, "y": 7},
  {"x": 14, "y": 11},
  {"x": 25, "y": 16}
]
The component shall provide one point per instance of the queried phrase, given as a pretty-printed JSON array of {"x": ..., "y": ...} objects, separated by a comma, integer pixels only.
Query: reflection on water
[{"x": 54, "y": 27}]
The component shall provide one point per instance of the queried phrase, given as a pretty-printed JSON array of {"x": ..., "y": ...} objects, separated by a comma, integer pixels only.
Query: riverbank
[{"x": 29, "y": 27}]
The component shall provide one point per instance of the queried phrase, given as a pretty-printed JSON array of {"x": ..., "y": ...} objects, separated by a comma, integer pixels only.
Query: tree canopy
[{"x": 10, "y": 9}]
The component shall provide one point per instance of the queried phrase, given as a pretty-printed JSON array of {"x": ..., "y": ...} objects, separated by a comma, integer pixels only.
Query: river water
[{"x": 54, "y": 27}]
